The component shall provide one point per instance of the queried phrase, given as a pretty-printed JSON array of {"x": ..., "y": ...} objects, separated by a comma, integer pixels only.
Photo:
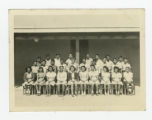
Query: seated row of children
[{"x": 92, "y": 76}]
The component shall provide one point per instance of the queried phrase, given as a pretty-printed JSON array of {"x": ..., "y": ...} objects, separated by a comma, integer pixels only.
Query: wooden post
[{"x": 77, "y": 51}]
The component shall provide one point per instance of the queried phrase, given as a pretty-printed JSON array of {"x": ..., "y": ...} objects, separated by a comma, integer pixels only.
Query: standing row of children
[{"x": 91, "y": 76}]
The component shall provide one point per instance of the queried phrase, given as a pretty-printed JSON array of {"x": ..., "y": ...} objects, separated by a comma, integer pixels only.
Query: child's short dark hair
[
  {"x": 52, "y": 60},
  {"x": 61, "y": 67},
  {"x": 28, "y": 67},
  {"x": 84, "y": 67},
  {"x": 35, "y": 61},
  {"x": 117, "y": 68},
  {"x": 38, "y": 57},
  {"x": 120, "y": 57},
  {"x": 107, "y": 56},
  {"x": 73, "y": 67},
  {"x": 125, "y": 58},
  {"x": 40, "y": 68},
  {"x": 107, "y": 69},
  {"x": 57, "y": 54},
  {"x": 92, "y": 65},
  {"x": 51, "y": 67}
]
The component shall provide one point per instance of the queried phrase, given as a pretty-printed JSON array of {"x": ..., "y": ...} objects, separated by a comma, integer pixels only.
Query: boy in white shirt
[
  {"x": 43, "y": 65},
  {"x": 115, "y": 64},
  {"x": 61, "y": 80},
  {"x": 69, "y": 60},
  {"x": 125, "y": 65},
  {"x": 109, "y": 63},
  {"x": 53, "y": 65},
  {"x": 120, "y": 63},
  {"x": 65, "y": 68},
  {"x": 104, "y": 63},
  {"x": 88, "y": 61},
  {"x": 99, "y": 63},
  {"x": 35, "y": 69},
  {"x": 82, "y": 64},
  {"x": 48, "y": 61},
  {"x": 57, "y": 60},
  {"x": 38, "y": 60},
  {"x": 74, "y": 64}
]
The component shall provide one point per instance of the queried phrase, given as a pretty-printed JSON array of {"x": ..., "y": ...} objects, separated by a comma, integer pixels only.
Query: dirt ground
[{"x": 89, "y": 103}]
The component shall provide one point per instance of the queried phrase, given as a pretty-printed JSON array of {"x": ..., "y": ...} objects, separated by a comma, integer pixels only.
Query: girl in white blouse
[
  {"x": 61, "y": 80},
  {"x": 83, "y": 75},
  {"x": 50, "y": 83},
  {"x": 28, "y": 81},
  {"x": 106, "y": 79},
  {"x": 72, "y": 80},
  {"x": 94, "y": 79},
  {"x": 117, "y": 80},
  {"x": 128, "y": 81},
  {"x": 40, "y": 80}
]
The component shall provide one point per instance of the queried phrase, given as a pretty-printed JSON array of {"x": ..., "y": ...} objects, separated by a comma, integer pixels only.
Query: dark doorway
[{"x": 83, "y": 48}]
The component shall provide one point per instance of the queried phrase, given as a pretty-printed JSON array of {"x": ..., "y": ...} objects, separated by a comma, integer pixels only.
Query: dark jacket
[{"x": 70, "y": 76}]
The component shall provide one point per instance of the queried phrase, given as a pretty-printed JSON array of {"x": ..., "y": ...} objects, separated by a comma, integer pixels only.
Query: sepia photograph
[{"x": 77, "y": 60}]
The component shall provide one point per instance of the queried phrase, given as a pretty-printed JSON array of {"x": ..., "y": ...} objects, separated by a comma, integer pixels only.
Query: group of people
[{"x": 91, "y": 76}]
